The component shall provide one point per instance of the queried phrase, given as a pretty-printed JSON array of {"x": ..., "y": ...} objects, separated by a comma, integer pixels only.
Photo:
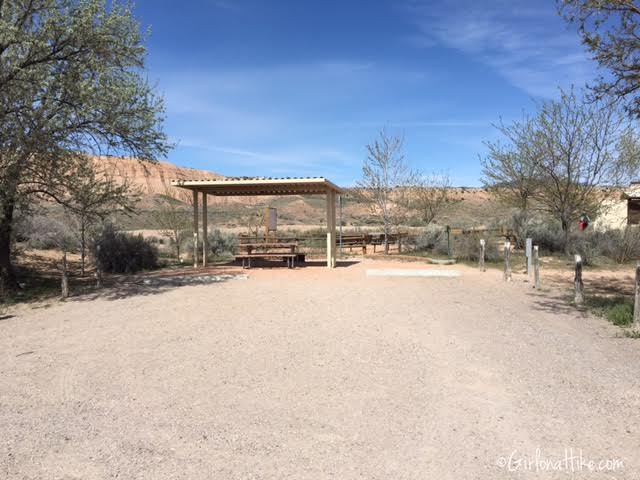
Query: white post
[
  {"x": 577, "y": 281},
  {"x": 636, "y": 306},
  {"x": 529, "y": 254},
  {"x": 536, "y": 267},
  {"x": 195, "y": 229},
  {"x": 205, "y": 236},
  {"x": 507, "y": 265},
  {"x": 331, "y": 229},
  {"x": 482, "y": 245}
]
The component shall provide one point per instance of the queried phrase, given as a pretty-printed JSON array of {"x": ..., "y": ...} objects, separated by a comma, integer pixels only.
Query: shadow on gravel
[
  {"x": 155, "y": 284},
  {"x": 555, "y": 304}
]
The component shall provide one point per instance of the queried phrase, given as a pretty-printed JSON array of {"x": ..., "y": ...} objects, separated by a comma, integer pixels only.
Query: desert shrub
[
  {"x": 123, "y": 253},
  {"x": 520, "y": 224},
  {"x": 432, "y": 239},
  {"x": 222, "y": 243},
  {"x": 619, "y": 245},
  {"x": 548, "y": 236},
  {"x": 621, "y": 314},
  {"x": 467, "y": 247},
  {"x": 46, "y": 233},
  {"x": 618, "y": 310}
]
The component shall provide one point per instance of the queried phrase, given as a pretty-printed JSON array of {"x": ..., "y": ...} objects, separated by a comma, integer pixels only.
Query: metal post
[{"x": 448, "y": 241}]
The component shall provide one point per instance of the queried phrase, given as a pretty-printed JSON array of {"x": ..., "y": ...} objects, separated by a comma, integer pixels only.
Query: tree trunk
[
  {"x": 386, "y": 239},
  {"x": 83, "y": 246},
  {"x": 565, "y": 230},
  {"x": 8, "y": 280}
]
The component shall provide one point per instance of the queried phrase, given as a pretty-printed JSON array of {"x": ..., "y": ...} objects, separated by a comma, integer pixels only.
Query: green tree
[
  {"x": 172, "y": 218},
  {"x": 92, "y": 196},
  {"x": 71, "y": 82},
  {"x": 561, "y": 157},
  {"x": 511, "y": 168},
  {"x": 385, "y": 177}
]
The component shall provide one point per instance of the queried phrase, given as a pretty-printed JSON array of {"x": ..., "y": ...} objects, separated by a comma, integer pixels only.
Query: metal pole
[{"x": 448, "y": 241}]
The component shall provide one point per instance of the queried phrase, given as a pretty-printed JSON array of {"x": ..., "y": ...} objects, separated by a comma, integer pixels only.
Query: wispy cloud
[{"x": 525, "y": 42}]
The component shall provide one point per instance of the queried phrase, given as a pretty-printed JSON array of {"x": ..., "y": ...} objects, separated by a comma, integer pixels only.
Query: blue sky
[{"x": 299, "y": 87}]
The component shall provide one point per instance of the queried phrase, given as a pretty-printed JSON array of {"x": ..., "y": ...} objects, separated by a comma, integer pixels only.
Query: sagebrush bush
[
  {"x": 621, "y": 314},
  {"x": 433, "y": 238},
  {"x": 548, "y": 236},
  {"x": 222, "y": 243},
  {"x": 467, "y": 247},
  {"x": 119, "y": 252},
  {"x": 46, "y": 233},
  {"x": 620, "y": 245}
]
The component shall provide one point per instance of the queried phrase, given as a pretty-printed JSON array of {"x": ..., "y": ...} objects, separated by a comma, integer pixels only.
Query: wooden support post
[
  {"x": 536, "y": 268},
  {"x": 482, "y": 245},
  {"x": 577, "y": 282},
  {"x": 64, "y": 284},
  {"x": 636, "y": 306},
  {"x": 195, "y": 229},
  {"x": 340, "y": 224},
  {"x": 205, "y": 233},
  {"x": 399, "y": 243},
  {"x": 507, "y": 264},
  {"x": 330, "y": 228}
]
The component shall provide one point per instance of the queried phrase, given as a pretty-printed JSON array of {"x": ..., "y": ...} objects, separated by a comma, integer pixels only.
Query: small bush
[
  {"x": 123, "y": 253},
  {"x": 618, "y": 310},
  {"x": 433, "y": 238},
  {"x": 548, "y": 236},
  {"x": 619, "y": 245},
  {"x": 467, "y": 247},
  {"x": 621, "y": 314},
  {"x": 46, "y": 233},
  {"x": 222, "y": 243}
]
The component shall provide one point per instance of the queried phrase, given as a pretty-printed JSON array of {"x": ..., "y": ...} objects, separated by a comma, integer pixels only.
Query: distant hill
[
  {"x": 475, "y": 206},
  {"x": 150, "y": 178}
]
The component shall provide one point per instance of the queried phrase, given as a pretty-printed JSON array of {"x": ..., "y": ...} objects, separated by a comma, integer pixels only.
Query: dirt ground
[{"x": 314, "y": 374}]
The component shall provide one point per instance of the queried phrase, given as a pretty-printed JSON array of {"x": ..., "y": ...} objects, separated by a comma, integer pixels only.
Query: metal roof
[{"x": 243, "y": 186}]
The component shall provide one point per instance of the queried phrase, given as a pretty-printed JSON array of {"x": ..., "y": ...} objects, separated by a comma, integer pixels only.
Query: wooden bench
[{"x": 286, "y": 251}]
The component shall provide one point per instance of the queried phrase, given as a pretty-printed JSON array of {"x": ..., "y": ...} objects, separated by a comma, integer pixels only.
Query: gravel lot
[{"x": 314, "y": 374}]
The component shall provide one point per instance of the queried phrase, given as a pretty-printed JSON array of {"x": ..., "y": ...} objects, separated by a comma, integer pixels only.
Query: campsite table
[{"x": 265, "y": 250}]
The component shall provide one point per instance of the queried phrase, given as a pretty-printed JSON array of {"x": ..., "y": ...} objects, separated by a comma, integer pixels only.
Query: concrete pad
[{"x": 401, "y": 272}]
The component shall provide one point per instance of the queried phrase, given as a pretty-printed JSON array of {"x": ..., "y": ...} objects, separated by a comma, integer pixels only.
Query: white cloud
[{"x": 525, "y": 42}]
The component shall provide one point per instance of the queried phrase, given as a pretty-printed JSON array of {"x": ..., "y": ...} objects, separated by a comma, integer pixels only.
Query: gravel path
[{"x": 313, "y": 374}]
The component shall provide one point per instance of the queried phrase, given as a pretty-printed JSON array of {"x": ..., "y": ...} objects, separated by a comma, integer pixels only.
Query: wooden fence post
[
  {"x": 636, "y": 306},
  {"x": 529, "y": 254},
  {"x": 577, "y": 281},
  {"x": 536, "y": 268},
  {"x": 482, "y": 244},
  {"x": 507, "y": 265},
  {"x": 64, "y": 284}
]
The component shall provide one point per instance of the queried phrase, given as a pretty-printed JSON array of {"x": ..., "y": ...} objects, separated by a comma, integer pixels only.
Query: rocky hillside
[
  {"x": 150, "y": 178},
  {"x": 473, "y": 206}
]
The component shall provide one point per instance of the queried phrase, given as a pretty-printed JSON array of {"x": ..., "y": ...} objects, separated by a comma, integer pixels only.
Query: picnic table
[{"x": 288, "y": 251}]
